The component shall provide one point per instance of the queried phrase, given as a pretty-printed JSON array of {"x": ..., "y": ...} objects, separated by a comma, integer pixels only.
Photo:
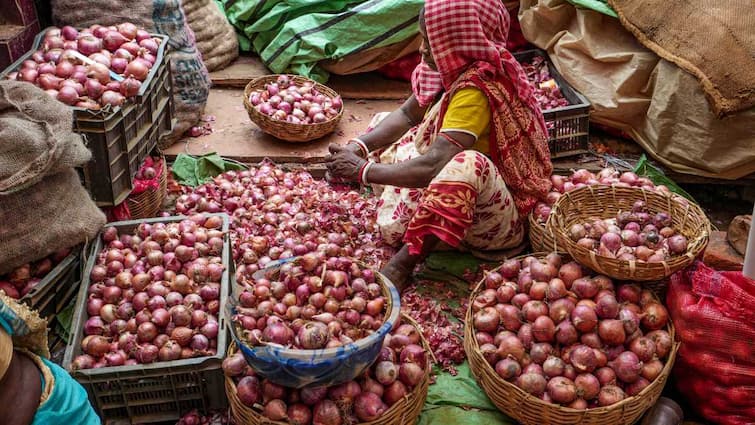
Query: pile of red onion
[
  {"x": 607, "y": 176},
  {"x": 632, "y": 235},
  {"x": 283, "y": 100},
  {"x": 24, "y": 278},
  {"x": 546, "y": 90},
  {"x": 401, "y": 365},
  {"x": 567, "y": 337},
  {"x": 278, "y": 214},
  {"x": 147, "y": 171},
  {"x": 154, "y": 294},
  {"x": 194, "y": 417},
  {"x": 57, "y": 68},
  {"x": 312, "y": 303}
]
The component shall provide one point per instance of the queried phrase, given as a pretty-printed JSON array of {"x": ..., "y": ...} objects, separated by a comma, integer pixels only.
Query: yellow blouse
[{"x": 469, "y": 112}]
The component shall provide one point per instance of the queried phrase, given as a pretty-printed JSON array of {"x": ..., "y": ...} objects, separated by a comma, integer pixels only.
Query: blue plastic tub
[{"x": 331, "y": 366}]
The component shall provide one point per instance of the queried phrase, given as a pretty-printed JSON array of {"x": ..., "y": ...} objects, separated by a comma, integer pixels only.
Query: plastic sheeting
[{"x": 662, "y": 107}]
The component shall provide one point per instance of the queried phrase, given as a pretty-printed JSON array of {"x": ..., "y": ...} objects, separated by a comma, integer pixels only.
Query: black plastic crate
[
  {"x": 568, "y": 126},
  {"x": 120, "y": 138},
  {"x": 160, "y": 391},
  {"x": 53, "y": 293}
]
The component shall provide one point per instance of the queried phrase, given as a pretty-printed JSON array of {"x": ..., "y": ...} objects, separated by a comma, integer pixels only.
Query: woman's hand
[{"x": 344, "y": 163}]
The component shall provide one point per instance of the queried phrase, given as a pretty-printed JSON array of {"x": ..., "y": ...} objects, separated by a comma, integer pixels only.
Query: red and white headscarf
[{"x": 462, "y": 33}]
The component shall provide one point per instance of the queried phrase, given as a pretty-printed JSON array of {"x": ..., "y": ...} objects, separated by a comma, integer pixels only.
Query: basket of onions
[
  {"x": 148, "y": 311},
  {"x": 392, "y": 391},
  {"x": 313, "y": 320},
  {"x": 629, "y": 233},
  {"x": 550, "y": 343},
  {"x": 292, "y": 108},
  {"x": 540, "y": 239}
]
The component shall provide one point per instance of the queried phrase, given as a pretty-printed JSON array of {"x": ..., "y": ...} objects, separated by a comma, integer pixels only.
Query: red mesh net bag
[{"x": 715, "y": 321}]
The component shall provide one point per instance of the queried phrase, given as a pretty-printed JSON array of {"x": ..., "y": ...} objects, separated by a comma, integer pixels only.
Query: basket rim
[
  {"x": 472, "y": 349},
  {"x": 255, "y": 84},
  {"x": 392, "y": 314},
  {"x": 556, "y": 228}
]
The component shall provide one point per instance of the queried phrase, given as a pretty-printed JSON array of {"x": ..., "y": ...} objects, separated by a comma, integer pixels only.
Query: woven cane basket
[
  {"x": 530, "y": 410},
  {"x": 284, "y": 130},
  {"x": 405, "y": 411},
  {"x": 148, "y": 203},
  {"x": 583, "y": 204},
  {"x": 540, "y": 239}
]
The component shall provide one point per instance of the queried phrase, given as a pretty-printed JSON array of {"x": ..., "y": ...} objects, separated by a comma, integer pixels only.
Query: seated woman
[
  {"x": 33, "y": 390},
  {"x": 472, "y": 154}
]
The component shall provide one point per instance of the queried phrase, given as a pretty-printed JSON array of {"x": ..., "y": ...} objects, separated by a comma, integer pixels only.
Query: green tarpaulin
[
  {"x": 601, "y": 6},
  {"x": 293, "y": 36},
  {"x": 454, "y": 400}
]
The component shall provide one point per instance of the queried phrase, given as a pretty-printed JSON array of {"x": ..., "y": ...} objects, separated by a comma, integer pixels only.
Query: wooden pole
[{"x": 749, "y": 266}]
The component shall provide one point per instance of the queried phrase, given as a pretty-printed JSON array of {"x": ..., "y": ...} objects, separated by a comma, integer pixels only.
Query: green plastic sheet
[
  {"x": 195, "y": 170},
  {"x": 454, "y": 400},
  {"x": 293, "y": 36},
  {"x": 601, "y": 6}
]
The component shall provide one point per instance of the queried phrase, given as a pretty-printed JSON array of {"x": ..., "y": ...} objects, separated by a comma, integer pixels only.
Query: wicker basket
[
  {"x": 405, "y": 411},
  {"x": 540, "y": 239},
  {"x": 148, "y": 203},
  {"x": 284, "y": 130},
  {"x": 604, "y": 202},
  {"x": 530, "y": 410}
]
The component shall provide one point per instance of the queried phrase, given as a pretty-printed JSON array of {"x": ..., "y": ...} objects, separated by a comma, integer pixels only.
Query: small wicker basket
[
  {"x": 285, "y": 130},
  {"x": 604, "y": 202},
  {"x": 405, "y": 411},
  {"x": 530, "y": 410},
  {"x": 148, "y": 203}
]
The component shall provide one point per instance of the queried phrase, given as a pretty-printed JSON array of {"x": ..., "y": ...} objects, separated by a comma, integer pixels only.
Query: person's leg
[{"x": 400, "y": 267}]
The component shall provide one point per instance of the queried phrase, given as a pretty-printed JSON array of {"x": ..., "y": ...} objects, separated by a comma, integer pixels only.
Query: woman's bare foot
[{"x": 400, "y": 267}]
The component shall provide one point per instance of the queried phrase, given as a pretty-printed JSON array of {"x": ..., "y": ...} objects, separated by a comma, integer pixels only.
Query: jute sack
[
  {"x": 43, "y": 206},
  {"x": 36, "y": 137},
  {"x": 216, "y": 38},
  {"x": 191, "y": 81}
]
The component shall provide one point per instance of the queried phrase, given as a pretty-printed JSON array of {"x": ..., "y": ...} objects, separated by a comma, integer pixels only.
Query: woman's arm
[
  {"x": 416, "y": 173},
  {"x": 392, "y": 127}
]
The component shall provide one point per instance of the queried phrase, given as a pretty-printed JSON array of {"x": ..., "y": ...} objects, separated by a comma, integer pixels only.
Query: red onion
[
  {"x": 508, "y": 369},
  {"x": 610, "y": 394},
  {"x": 583, "y": 358},
  {"x": 655, "y": 316},
  {"x": 566, "y": 333},
  {"x": 249, "y": 391},
  {"x": 562, "y": 390},
  {"x": 588, "y": 386},
  {"x": 540, "y": 352},
  {"x": 368, "y": 407},
  {"x": 627, "y": 367},
  {"x": 511, "y": 346},
  {"x": 584, "y": 318},
  {"x": 651, "y": 369},
  {"x": 532, "y": 383},
  {"x": 663, "y": 342}
]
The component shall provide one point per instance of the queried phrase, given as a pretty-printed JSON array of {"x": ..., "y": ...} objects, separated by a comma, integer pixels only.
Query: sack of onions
[
  {"x": 93, "y": 67},
  {"x": 581, "y": 178},
  {"x": 543, "y": 333},
  {"x": 392, "y": 390},
  {"x": 304, "y": 311},
  {"x": 21, "y": 280},
  {"x": 629, "y": 233},
  {"x": 154, "y": 293}
]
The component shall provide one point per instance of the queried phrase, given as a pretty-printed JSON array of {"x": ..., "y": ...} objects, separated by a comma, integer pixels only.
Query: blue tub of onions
[{"x": 312, "y": 320}]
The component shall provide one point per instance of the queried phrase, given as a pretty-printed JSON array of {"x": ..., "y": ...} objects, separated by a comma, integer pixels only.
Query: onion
[
  {"x": 636, "y": 387},
  {"x": 607, "y": 307},
  {"x": 540, "y": 352},
  {"x": 553, "y": 366},
  {"x": 583, "y": 358},
  {"x": 570, "y": 272},
  {"x": 508, "y": 368},
  {"x": 368, "y": 407},
  {"x": 612, "y": 332},
  {"x": 627, "y": 367},
  {"x": 411, "y": 374},
  {"x": 655, "y": 316},
  {"x": 511, "y": 346},
  {"x": 560, "y": 309},
  {"x": 562, "y": 390},
  {"x": 326, "y": 412},
  {"x": 610, "y": 394},
  {"x": 532, "y": 383},
  {"x": 530, "y": 311},
  {"x": 643, "y": 347},
  {"x": 651, "y": 370},
  {"x": 566, "y": 333},
  {"x": 663, "y": 342},
  {"x": 137, "y": 69},
  {"x": 584, "y": 318},
  {"x": 588, "y": 386},
  {"x": 88, "y": 45},
  {"x": 248, "y": 391}
]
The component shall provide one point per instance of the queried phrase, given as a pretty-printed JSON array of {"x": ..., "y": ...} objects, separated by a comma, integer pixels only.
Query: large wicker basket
[
  {"x": 530, "y": 410},
  {"x": 604, "y": 202},
  {"x": 540, "y": 239},
  {"x": 284, "y": 130},
  {"x": 405, "y": 411},
  {"x": 148, "y": 203}
]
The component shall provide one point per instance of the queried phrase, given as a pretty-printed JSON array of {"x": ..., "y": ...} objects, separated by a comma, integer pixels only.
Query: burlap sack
[
  {"x": 54, "y": 214},
  {"x": 662, "y": 107},
  {"x": 216, "y": 38},
  {"x": 191, "y": 81},
  {"x": 35, "y": 137},
  {"x": 43, "y": 207}
]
